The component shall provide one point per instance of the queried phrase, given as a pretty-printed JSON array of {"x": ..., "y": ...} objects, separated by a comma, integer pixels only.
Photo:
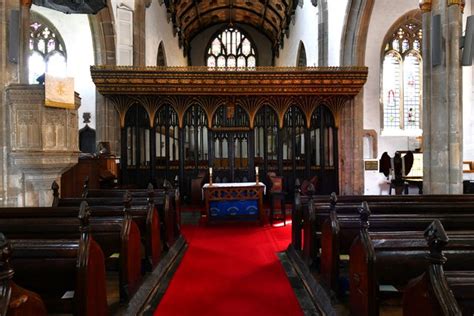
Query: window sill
[{"x": 402, "y": 133}]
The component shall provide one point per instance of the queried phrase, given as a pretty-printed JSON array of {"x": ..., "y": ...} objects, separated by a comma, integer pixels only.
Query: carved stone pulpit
[{"x": 41, "y": 143}]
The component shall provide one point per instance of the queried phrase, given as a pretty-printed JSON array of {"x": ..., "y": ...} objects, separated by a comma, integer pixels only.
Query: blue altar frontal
[
  {"x": 237, "y": 209},
  {"x": 228, "y": 201}
]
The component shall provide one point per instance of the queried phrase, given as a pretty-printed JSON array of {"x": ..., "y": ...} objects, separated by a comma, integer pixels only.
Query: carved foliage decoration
[
  {"x": 280, "y": 104},
  {"x": 251, "y": 105},
  {"x": 336, "y": 104},
  {"x": 180, "y": 105},
  {"x": 122, "y": 104}
]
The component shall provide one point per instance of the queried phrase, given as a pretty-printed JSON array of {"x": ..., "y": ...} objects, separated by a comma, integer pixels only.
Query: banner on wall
[{"x": 59, "y": 92}]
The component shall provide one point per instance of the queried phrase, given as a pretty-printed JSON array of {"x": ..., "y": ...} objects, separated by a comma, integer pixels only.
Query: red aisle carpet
[{"x": 231, "y": 270}]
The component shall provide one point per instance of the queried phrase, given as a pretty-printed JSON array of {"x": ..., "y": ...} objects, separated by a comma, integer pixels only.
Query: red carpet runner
[{"x": 231, "y": 270}]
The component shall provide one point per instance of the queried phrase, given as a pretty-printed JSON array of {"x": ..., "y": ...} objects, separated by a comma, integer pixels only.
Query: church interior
[{"x": 231, "y": 157}]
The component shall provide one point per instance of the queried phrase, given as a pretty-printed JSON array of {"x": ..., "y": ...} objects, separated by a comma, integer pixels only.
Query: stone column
[
  {"x": 139, "y": 33},
  {"x": 442, "y": 103},
  {"x": 24, "y": 49}
]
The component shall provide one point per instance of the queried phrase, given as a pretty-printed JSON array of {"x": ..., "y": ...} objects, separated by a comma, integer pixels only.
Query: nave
[{"x": 140, "y": 252}]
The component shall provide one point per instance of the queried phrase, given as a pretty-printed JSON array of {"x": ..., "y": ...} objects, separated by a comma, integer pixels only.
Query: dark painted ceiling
[{"x": 271, "y": 17}]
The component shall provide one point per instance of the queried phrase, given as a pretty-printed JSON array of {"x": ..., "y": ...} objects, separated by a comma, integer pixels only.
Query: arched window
[
  {"x": 161, "y": 59},
  {"x": 231, "y": 48},
  {"x": 301, "y": 62},
  {"x": 402, "y": 77},
  {"x": 47, "y": 49}
]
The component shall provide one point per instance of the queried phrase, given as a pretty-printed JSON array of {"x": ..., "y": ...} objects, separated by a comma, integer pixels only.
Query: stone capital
[
  {"x": 425, "y": 6},
  {"x": 460, "y": 3}
]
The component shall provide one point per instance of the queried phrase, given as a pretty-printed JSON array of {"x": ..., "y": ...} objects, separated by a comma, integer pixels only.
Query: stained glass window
[
  {"x": 402, "y": 77},
  {"x": 47, "y": 50},
  {"x": 232, "y": 49}
]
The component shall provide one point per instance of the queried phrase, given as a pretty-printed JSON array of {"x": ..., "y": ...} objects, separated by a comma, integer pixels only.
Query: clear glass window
[{"x": 231, "y": 48}]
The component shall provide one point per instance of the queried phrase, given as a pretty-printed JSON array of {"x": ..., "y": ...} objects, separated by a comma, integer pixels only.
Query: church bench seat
[
  {"x": 171, "y": 216},
  {"x": 165, "y": 207},
  {"x": 118, "y": 237},
  {"x": 345, "y": 203},
  {"x": 340, "y": 230},
  {"x": 324, "y": 203},
  {"x": 15, "y": 300},
  {"x": 68, "y": 273},
  {"x": 394, "y": 259},
  {"x": 316, "y": 215},
  {"x": 428, "y": 295}
]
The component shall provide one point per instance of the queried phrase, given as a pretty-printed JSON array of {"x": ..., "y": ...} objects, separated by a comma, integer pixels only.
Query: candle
[
  {"x": 256, "y": 171},
  {"x": 210, "y": 171}
]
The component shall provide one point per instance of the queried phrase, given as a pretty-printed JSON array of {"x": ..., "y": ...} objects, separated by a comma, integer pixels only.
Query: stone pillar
[
  {"x": 24, "y": 49},
  {"x": 139, "y": 33},
  {"x": 323, "y": 44},
  {"x": 442, "y": 103}
]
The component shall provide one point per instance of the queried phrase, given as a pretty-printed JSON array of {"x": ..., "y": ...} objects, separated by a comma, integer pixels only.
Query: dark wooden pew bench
[
  {"x": 168, "y": 214},
  {"x": 340, "y": 230},
  {"x": 315, "y": 216},
  {"x": 171, "y": 216},
  {"x": 436, "y": 291},
  {"x": 118, "y": 237},
  {"x": 301, "y": 214},
  {"x": 68, "y": 272},
  {"x": 15, "y": 300},
  {"x": 394, "y": 259}
]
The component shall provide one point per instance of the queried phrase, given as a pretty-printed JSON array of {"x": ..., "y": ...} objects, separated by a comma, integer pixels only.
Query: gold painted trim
[{"x": 425, "y": 5}]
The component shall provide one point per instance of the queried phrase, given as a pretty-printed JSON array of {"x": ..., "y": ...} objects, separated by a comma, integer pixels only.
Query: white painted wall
[
  {"x": 76, "y": 33},
  {"x": 384, "y": 15},
  {"x": 336, "y": 15},
  {"x": 305, "y": 29},
  {"x": 157, "y": 30}
]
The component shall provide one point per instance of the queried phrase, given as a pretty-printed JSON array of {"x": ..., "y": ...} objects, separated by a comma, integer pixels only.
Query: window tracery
[
  {"x": 47, "y": 49},
  {"x": 231, "y": 48},
  {"x": 402, "y": 78}
]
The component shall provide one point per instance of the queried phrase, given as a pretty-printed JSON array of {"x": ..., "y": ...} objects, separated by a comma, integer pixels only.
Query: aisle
[{"x": 231, "y": 270}]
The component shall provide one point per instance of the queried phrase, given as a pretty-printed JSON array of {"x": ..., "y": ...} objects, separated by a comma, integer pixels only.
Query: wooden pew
[
  {"x": 118, "y": 237},
  {"x": 68, "y": 273},
  {"x": 172, "y": 217},
  {"x": 301, "y": 211},
  {"x": 169, "y": 227},
  {"x": 340, "y": 230},
  {"x": 394, "y": 259},
  {"x": 15, "y": 300},
  {"x": 439, "y": 292}
]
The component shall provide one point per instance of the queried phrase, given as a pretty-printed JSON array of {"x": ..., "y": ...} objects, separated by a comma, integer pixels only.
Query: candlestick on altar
[
  {"x": 256, "y": 175},
  {"x": 210, "y": 176}
]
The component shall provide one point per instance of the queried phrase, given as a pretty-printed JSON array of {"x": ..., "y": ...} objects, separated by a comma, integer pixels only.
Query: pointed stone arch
[{"x": 161, "y": 60}]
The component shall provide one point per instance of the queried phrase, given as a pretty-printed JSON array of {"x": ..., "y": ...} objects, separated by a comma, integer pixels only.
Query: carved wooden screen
[
  {"x": 196, "y": 141},
  {"x": 266, "y": 142},
  {"x": 166, "y": 140},
  {"x": 230, "y": 135},
  {"x": 323, "y": 149},
  {"x": 293, "y": 138},
  {"x": 292, "y": 147},
  {"x": 137, "y": 131}
]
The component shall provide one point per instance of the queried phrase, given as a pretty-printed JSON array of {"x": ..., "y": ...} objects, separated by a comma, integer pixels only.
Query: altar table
[{"x": 229, "y": 201}]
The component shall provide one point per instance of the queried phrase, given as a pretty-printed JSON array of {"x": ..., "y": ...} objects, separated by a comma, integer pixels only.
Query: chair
[
  {"x": 196, "y": 187},
  {"x": 280, "y": 198},
  {"x": 276, "y": 182},
  {"x": 277, "y": 196}
]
